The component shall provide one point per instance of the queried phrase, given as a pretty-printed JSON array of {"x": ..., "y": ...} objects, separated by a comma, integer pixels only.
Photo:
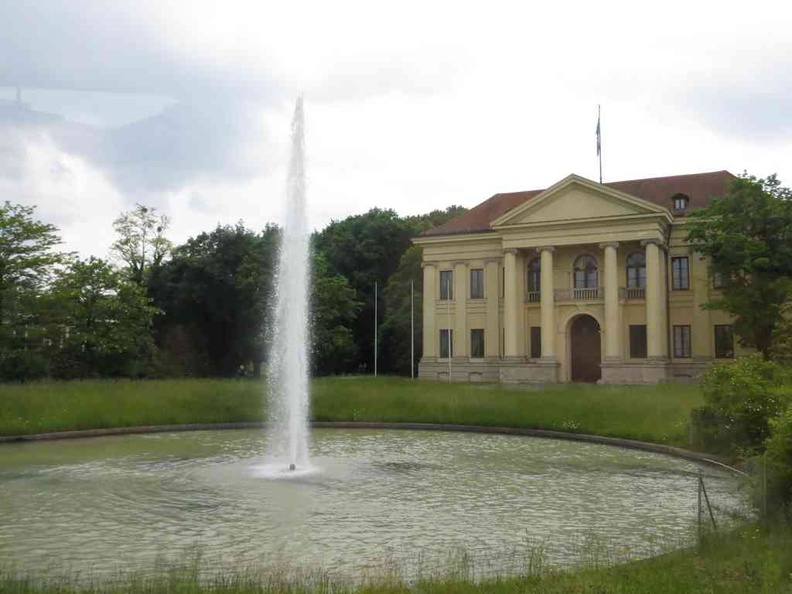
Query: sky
[{"x": 185, "y": 105}]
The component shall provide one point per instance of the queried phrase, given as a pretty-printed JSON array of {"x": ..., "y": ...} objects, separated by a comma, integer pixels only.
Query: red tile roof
[{"x": 700, "y": 188}]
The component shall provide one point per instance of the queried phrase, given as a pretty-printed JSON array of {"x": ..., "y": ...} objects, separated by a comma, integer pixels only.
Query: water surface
[{"x": 410, "y": 498}]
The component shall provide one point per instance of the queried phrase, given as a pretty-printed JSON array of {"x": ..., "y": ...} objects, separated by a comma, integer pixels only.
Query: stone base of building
[
  {"x": 517, "y": 370},
  {"x": 649, "y": 371},
  {"x": 688, "y": 370}
]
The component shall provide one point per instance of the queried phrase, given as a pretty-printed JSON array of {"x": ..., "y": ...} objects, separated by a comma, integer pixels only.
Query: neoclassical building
[{"x": 579, "y": 282}]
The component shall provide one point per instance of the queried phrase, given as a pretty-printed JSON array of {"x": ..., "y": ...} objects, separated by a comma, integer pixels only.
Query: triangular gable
[{"x": 577, "y": 198}]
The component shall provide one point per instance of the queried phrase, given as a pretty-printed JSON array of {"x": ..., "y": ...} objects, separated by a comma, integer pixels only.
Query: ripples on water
[{"x": 406, "y": 497}]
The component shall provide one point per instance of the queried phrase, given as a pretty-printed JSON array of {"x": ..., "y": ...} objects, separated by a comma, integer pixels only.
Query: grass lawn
[{"x": 651, "y": 413}]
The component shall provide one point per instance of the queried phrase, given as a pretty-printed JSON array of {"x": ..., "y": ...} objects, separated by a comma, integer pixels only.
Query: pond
[{"x": 406, "y": 499}]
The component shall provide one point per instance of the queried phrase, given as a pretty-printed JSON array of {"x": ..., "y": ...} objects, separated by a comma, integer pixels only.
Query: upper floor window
[
  {"x": 680, "y": 274},
  {"x": 535, "y": 275},
  {"x": 636, "y": 271},
  {"x": 446, "y": 285},
  {"x": 586, "y": 272},
  {"x": 680, "y": 202},
  {"x": 477, "y": 283},
  {"x": 718, "y": 282}
]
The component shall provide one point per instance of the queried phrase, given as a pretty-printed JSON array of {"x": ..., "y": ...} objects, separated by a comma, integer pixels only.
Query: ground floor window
[
  {"x": 446, "y": 343},
  {"x": 477, "y": 343},
  {"x": 638, "y": 342},
  {"x": 536, "y": 342},
  {"x": 681, "y": 341},
  {"x": 724, "y": 342}
]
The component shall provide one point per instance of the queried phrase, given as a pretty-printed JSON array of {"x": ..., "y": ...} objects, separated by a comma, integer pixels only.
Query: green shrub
[
  {"x": 740, "y": 399},
  {"x": 779, "y": 463}
]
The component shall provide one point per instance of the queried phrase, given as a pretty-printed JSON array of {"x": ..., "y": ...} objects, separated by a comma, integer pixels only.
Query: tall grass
[
  {"x": 749, "y": 560},
  {"x": 653, "y": 413}
]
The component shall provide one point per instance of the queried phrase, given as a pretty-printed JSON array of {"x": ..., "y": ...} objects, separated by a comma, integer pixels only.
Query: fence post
[{"x": 698, "y": 516}]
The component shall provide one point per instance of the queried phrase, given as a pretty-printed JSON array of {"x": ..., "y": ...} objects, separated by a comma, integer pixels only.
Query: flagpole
[
  {"x": 375, "y": 329},
  {"x": 599, "y": 143},
  {"x": 412, "y": 329}
]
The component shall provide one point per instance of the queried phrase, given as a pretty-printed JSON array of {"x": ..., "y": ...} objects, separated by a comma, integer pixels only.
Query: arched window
[
  {"x": 534, "y": 275},
  {"x": 586, "y": 273},
  {"x": 680, "y": 202},
  {"x": 636, "y": 271}
]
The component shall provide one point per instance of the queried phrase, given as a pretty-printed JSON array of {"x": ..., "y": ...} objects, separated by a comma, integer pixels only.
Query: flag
[{"x": 599, "y": 146}]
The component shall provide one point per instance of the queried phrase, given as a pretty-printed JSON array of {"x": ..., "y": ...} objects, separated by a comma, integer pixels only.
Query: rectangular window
[
  {"x": 446, "y": 285},
  {"x": 477, "y": 343},
  {"x": 680, "y": 274},
  {"x": 536, "y": 342},
  {"x": 446, "y": 343},
  {"x": 682, "y": 342},
  {"x": 477, "y": 283},
  {"x": 717, "y": 280},
  {"x": 724, "y": 342},
  {"x": 638, "y": 342}
]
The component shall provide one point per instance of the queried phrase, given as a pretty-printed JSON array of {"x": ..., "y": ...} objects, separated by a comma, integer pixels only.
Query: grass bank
[
  {"x": 651, "y": 413},
  {"x": 747, "y": 561}
]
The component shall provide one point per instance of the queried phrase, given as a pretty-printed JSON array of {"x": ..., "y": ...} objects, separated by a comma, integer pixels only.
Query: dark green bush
[
  {"x": 740, "y": 399},
  {"x": 779, "y": 463}
]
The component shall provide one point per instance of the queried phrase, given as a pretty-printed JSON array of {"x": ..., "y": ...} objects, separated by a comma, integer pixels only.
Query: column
[
  {"x": 492, "y": 294},
  {"x": 655, "y": 301},
  {"x": 611, "y": 283},
  {"x": 461, "y": 338},
  {"x": 547, "y": 303},
  {"x": 430, "y": 334},
  {"x": 510, "y": 302}
]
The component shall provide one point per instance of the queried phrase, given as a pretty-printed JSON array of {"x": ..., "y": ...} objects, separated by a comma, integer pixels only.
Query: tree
[
  {"x": 747, "y": 236},
  {"x": 214, "y": 292},
  {"x": 99, "y": 322},
  {"x": 334, "y": 309},
  {"x": 27, "y": 262},
  {"x": 396, "y": 328},
  {"x": 365, "y": 249},
  {"x": 142, "y": 244}
]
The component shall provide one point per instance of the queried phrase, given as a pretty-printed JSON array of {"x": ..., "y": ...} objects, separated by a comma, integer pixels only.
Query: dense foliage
[
  {"x": 747, "y": 237},
  {"x": 741, "y": 397},
  {"x": 200, "y": 308}
]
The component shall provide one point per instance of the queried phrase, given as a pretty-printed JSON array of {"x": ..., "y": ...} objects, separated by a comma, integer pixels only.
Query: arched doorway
[{"x": 585, "y": 353}]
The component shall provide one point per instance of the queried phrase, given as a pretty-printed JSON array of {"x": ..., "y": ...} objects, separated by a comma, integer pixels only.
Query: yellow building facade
[{"x": 579, "y": 282}]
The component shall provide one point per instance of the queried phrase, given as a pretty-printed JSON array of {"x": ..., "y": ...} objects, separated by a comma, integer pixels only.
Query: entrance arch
[{"x": 585, "y": 349}]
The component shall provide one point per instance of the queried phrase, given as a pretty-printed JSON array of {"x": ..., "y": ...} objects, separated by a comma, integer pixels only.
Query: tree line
[{"x": 201, "y": 308}]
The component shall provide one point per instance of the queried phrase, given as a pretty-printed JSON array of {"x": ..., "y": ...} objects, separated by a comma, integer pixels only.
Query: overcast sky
[{"x": 186, "y": 105}]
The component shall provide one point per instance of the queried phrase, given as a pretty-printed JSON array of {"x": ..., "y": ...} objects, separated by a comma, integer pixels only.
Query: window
[
  {"x": 724, "y": 342},
  {"x": 682, "y": 342},
  {"x": 534, "y": 275},
  {"x": 680, "y": 202},
  {"x": 586, "y": 273},
  {"x": 536, "y": 342},
  {"x": 717, "y": 280},
  {"x": 680, "y": 274},
  {"x": 477, "y": 343},
  {"x": 636, "y": 271},
  {"x": 446, "y": 285},
  {"x": 477, "y": 283},
  {"x": 446, "y": 343},
  {"x": 638, "y": 342}
]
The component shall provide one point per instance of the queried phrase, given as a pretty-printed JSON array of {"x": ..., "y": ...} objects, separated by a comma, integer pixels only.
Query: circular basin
[{"x": 410, "y": 500}]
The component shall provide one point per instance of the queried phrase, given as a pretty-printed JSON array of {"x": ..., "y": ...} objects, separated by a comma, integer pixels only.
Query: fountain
[{"x": 287, "y": 443}]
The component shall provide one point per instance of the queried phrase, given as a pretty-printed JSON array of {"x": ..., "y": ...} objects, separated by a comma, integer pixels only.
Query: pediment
[{"x": 577, "y": 199}]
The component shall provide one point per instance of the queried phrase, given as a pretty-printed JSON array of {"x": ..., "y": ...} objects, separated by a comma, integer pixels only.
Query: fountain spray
[{"x": 287, "y": 377}]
